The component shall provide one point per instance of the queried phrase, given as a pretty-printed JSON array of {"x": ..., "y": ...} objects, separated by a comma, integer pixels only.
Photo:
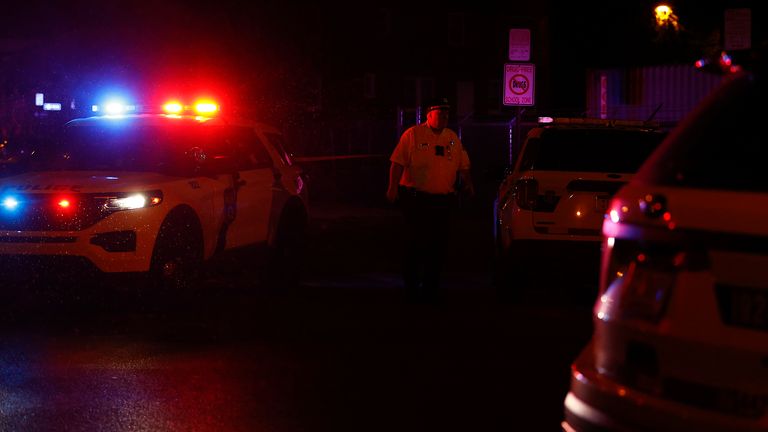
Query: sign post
[{"x": 519, "y": 90}]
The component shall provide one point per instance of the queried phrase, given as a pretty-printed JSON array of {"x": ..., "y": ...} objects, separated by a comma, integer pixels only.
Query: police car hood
[{"x": 82, "y": 181}]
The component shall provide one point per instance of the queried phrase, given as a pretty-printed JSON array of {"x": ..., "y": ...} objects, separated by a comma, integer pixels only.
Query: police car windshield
[
  {"x": 122, "y": 147},
  {"x": 590, "y": 150}
]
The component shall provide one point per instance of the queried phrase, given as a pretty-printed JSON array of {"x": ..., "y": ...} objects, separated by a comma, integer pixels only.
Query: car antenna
[{"x": 653, "y": 114}]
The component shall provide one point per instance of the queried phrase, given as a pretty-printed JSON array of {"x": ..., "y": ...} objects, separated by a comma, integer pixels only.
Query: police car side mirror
[
  {"x": 496, "y": 173},
  {"x": 197, "y": 155}
]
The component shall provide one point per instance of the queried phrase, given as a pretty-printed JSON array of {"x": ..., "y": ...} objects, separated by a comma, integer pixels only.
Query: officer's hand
[
  {"x": 469, "y": 190},
  {"x": 392, "y": 195}
]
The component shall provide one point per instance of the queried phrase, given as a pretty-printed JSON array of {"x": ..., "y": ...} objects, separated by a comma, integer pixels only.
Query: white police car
[
  {"x": 551, "y": 204},
  {"x": 152, "y": 193},
  {"x": 681, "y": 323}
]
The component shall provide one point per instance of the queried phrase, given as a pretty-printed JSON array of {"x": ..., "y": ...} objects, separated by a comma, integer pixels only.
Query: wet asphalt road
[{"x": 342, "y": 352}]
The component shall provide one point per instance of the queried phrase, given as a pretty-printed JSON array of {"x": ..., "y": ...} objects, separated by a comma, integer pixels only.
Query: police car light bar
[
  {"x": 173, "y": 107},
  {"x": 114, "y": 107},
  {"x": 581, "y": 121},
  {"x": 206, "y": 107}
]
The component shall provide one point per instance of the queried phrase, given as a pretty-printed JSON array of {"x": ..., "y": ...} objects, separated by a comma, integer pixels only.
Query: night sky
[{"x": 280, "y": 52}]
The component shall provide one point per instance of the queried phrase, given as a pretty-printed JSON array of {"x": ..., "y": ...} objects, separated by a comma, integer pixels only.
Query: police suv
[
  {"x": 152, "y": 193},
  {"x": 552, "y": 202}
]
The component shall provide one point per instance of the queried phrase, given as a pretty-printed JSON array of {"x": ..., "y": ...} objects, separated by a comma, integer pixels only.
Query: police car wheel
[
  {"x": 511, "y": 277},
  {"x": 285, "y": 256},
  {"x": 177, "y": 255}
]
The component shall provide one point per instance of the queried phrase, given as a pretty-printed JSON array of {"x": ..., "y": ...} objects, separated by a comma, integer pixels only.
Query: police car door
[{"x": 252, "y": 189}]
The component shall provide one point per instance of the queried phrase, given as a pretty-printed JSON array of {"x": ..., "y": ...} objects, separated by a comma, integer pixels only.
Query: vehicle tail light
[
  {"x": 637, "y": 277},
  {"x": 526, "y": 193}
]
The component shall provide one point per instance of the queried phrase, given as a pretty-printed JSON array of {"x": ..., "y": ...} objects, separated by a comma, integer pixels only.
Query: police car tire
[
  {"x": 286, "y": 253},
  {"x": 178, "y": 251},
  {"x": 502, "y": 275},
  {"x": 512, "y": 277}
]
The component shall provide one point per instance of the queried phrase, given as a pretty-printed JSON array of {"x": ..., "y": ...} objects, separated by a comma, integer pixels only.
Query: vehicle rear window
[
  {"x": 723, "y": 145},
  {"x": 590, "y": 150}
]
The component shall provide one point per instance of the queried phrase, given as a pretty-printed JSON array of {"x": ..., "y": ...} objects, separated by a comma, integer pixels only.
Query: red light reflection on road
[{"x": 128, "y": 387}]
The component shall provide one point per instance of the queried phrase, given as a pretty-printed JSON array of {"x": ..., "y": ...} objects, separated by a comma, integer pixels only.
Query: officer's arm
[
  {"x": 466, "y": 180},
  {"x": 395, "y": 172}
]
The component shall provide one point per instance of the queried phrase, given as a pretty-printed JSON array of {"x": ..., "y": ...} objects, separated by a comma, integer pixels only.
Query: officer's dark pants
[{"x": 428, "y": 222}]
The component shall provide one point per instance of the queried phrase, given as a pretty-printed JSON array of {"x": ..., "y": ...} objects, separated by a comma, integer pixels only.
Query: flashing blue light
[
  {"x": 115, "y": 107},
  {"x": 10, "y": 203},
  {"x": 725, "y": 59}
]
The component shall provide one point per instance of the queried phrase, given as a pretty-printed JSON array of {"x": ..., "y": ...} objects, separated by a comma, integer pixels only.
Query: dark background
[
  {"x": 337, "y": 78},
  {"x": 279, "y": 59}
]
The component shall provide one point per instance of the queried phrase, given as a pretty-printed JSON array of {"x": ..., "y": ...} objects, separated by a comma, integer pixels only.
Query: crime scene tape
[{"x": 337, "y": 157}]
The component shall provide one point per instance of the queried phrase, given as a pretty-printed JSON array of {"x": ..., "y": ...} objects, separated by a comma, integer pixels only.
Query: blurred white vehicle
[
  {"x": 681, "y": 322},
  {"x": 152, "y": 193}
]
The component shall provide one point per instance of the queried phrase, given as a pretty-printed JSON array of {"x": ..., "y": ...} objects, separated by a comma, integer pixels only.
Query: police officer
[{"x": 426, "y": 164}]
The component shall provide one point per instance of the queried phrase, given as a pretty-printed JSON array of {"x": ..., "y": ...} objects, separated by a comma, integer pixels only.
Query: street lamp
[{"x": 665, "y": 17}]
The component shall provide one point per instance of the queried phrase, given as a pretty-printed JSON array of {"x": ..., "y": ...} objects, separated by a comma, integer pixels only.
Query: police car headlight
[{"x": 134, "y": 201}]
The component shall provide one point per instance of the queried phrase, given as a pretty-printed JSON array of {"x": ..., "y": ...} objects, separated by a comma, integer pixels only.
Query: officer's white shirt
[{"x": 431, "y": 160}]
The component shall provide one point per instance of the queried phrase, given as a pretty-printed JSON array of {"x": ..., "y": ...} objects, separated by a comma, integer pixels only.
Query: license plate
[
  {"x": 744, "y": 307},
  {"x": 601, "y": 203}
]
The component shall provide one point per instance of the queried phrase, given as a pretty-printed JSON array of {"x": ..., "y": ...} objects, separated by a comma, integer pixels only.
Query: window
[
  {"x": 279, "y": 143},
  {"x": 590, "y": 150},
  {"x": 247, "y": 149},
  {"x": 723, "y": 146}
]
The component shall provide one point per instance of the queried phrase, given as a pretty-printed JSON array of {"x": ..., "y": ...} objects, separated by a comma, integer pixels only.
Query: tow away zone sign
[{"x": 518, "y": 84}]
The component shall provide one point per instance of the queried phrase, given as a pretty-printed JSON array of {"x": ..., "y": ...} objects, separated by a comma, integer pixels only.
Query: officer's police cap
[{"x": 438, "y": 103}]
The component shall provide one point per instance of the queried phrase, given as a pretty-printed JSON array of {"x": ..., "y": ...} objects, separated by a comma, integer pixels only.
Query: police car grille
[{"x": 39, "y": 212}]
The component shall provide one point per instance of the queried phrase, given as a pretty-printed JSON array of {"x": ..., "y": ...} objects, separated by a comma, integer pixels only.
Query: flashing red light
[
  {"x": 725, "y": 59},
  {"x": 64, "y": 205}
]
